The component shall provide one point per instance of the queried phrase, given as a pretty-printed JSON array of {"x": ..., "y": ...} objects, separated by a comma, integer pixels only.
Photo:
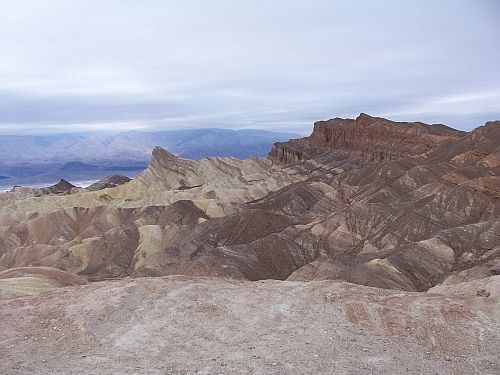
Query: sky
[{"x": 118, "y": 65}]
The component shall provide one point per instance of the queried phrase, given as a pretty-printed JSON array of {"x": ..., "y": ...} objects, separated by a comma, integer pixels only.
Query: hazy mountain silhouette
[{"x": 137, "y": 146}]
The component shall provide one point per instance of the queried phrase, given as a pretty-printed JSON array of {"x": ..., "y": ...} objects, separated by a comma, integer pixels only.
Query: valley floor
[{"x": 201, "y": 325}]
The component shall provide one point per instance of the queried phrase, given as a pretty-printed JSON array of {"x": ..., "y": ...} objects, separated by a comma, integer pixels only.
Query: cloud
[
  {"x": 115, "y": 65},
  {"x": 469, "y": 106}
]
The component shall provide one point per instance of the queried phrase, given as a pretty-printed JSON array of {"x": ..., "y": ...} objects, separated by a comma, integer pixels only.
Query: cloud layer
[{"x": 118, "y": 65}]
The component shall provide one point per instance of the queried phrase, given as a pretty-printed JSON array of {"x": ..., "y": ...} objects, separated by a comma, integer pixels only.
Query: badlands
[{"x": 371, "y": 246}]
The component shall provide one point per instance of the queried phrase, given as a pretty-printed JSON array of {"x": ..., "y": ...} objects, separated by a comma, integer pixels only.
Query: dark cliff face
[
  {"x": 162, "y": 159},
  {"x": 285, "y": 153},
  {"x": 366, "y": 137}
]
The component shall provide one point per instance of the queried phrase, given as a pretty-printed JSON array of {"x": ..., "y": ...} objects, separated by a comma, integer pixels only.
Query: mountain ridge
[
  {"x": 339, "y": 214},
  {"x": 136, "y": 145}
]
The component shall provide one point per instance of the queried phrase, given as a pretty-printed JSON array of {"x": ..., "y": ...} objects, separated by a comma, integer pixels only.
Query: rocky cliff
[
  {"x": 366, "y": 137},
  {"x": 286, "y": 153}
]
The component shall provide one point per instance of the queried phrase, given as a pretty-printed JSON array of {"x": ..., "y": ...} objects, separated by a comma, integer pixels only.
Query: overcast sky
[{"x": 114, "y": 65}]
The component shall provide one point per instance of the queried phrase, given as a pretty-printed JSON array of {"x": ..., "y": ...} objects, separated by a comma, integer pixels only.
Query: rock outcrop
[
  {"x": 369, "y": 138},
  {"x": 62, "y": 187},
  {"x": 108, "y": 182},
  {"x": 286, "y": 153}
]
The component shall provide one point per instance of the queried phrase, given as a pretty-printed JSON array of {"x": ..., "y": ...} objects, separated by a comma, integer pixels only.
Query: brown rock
[{"x": 366, "y": 137}]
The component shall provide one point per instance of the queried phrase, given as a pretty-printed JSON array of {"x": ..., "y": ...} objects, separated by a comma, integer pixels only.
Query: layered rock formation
[
  {"x": 369, "y": 138},
  {"x": 215, "y": 184},
  {"x": 402, "y": 206},
  {"x": 355, "y": 209}
]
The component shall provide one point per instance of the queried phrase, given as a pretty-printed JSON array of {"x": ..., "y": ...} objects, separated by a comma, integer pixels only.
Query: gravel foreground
[{"x": 196, "y": 325}]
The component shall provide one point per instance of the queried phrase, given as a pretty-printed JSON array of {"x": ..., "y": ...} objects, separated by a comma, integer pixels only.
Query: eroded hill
[{"x": 368, "y": 201}]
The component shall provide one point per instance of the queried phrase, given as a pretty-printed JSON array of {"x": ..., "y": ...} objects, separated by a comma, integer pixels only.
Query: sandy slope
[{"x": 187, "y": 325}]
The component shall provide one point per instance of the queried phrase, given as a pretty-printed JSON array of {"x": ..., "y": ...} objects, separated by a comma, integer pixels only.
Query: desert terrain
[{"x": 370, "y": 246}]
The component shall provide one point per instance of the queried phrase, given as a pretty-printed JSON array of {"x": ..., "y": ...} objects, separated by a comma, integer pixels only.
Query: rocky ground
[{"x": 195, "y": 325}]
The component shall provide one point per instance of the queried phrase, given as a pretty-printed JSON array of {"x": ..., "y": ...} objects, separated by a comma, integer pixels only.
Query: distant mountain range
[
  {"x": 137, "y": 146},
  {"x": 39, "y": 160}
]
